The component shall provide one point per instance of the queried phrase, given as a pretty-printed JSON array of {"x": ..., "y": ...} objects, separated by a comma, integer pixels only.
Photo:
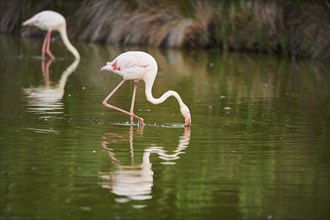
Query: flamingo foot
[
  {"x": 141, "y": 122},
  {"x": 50, "y": 54}
]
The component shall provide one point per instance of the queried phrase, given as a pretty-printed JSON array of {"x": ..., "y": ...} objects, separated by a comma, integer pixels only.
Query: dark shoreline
[{"x": 299, "y": 29}]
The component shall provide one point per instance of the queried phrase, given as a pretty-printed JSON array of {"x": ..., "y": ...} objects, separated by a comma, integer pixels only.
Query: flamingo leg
[
  {"x": 133, "y": 101},
  {"x": 43, "y": 50},
  {"x": 131, "y": 144},
  {"x": 46, "y": 46},
  {"x": 105, "y": 103}
]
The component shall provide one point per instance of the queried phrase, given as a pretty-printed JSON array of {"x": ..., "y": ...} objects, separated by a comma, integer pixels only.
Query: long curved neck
[
  {"x": 67, "y": 43},
  {"x": 155, "y": 101}
]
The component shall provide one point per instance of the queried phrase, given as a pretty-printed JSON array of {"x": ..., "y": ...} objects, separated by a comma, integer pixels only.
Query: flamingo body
[
  {"x": 133, "y": 65},
  {"x": 136, "y": 66},
  {"x": 51, "y": 21},
  {"x": 47, "y": 20}
]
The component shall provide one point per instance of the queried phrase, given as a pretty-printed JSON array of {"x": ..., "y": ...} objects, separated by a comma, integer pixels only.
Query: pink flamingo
[
  {"x": 52, "y": 21},
  {"x": 138, "y": 65}
]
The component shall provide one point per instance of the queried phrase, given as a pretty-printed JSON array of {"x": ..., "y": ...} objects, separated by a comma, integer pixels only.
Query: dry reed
[{"x": 294, "y": 28}]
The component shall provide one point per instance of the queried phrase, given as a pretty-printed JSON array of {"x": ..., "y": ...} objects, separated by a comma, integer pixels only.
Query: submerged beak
[
  {"x": 187, "y": 120},
  {"x": 186, "y": 114}
]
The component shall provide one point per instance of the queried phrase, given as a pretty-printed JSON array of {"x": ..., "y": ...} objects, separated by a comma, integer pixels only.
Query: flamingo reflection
[
  {"x": 47, "y": 99},
  {"x": 135, "y": 181}
]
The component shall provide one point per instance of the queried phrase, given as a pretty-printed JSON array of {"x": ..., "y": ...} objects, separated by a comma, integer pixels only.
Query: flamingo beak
[
  {"x": 107, "y": 67},
  {"x": 30, "y": 21},
  {"x": 26, "y": 22}
]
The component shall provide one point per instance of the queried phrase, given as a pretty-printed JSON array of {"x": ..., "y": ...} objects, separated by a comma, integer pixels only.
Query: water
[{"x": 258, "y": 147}]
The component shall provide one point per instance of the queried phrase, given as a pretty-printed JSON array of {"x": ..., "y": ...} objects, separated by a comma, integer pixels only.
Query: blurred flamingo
[
  {"x": 52, "y": 21},
  {"x": 138, "y": 65}
]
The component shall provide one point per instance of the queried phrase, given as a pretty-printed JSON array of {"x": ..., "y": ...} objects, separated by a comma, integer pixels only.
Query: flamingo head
[
  {"x": 186, "y": 114},
  {"x": 112, "y": 66}
]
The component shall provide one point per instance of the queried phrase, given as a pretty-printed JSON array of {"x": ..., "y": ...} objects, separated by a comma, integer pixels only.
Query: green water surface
[{"x": 258, "y": 147}]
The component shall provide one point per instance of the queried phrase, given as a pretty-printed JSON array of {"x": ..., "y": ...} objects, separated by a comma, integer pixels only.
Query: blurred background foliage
[{"x": 294, "y": 28}]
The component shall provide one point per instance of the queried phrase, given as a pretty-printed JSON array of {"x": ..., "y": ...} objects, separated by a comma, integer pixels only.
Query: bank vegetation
[{"x": 294, "y": 28}]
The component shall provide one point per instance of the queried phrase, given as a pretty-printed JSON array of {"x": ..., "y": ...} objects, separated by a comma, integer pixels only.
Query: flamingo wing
[
  {"x": 132, "y": 64},
  {"x": 132, "y": 59}
]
